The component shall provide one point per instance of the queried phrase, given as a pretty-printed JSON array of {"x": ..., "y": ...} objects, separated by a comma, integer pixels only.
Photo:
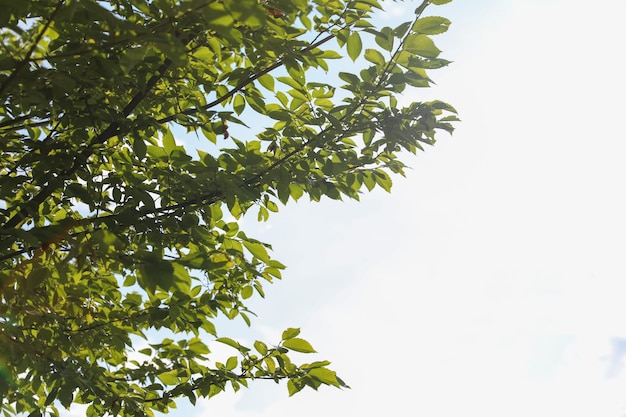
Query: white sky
[{"x": 490, "y": 282}]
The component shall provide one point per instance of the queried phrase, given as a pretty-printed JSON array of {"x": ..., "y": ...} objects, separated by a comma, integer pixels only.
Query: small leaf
[
  {"x": 246, "y": 292},
  {"x": 431, "y": 25},
  {"x": 198, "y": 347},
  {"x": 257, "y": 250},
  {"x": 290, "y": 333},
  {"x": 385, "y": 38},
  {"x": 139, "y": 146},
  {"x": 130, "y": 280},
  {"x": 260, "y": 347},
  {"x": 36, "y": 277},
  {"x": 228, "y": 341},
  {"x": 349, "y": 78},
  {"x": 169, "y": 377},
  {"x": 292, "y": 387},
  {"x": 156, "y": 272},
  {"x": 421, "y": 45},
  {"x": 372, "y": 55},
  {"x": 298, "y": 345},
  {"x": 290, "y": 82},
  {"x": 354, "y": 45},
  {"x": 231, "y": 363},
  {"x": 239, "y": 103},
  {"x": 324, "y": 375},
  {"x": 203, "y": 53},
  {"x": 267, "y": 81},
  {"x": 168, "y": 142}
]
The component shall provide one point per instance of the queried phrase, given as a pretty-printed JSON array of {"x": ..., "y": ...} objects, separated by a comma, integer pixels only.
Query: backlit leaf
[
  {"x": 299, "y": 345},
  {"x": 431, "y": 25},
  {"x": 290, "y": 333},
  {"x": 354, "y": 45},
  {"x": 421, "y": 45},
  {"x": 169, "y": 378}
]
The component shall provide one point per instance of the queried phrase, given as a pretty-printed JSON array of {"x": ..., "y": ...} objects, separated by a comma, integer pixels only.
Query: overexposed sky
[{"x": 491, "y": 281}]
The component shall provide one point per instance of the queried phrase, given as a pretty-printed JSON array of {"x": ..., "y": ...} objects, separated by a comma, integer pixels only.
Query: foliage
[{"x": 111, "y": 232}]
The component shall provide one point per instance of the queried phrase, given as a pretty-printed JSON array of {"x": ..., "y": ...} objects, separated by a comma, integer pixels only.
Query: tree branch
[
  {"x": 112, "y": 130},
  {"x": 242, "y": 84}
]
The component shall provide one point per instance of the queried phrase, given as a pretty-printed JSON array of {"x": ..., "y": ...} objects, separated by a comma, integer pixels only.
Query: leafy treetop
[{"x": 111, "y": 231}]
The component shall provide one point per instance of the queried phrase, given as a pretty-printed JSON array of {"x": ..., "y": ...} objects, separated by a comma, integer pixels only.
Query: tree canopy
[{"x": 119, "y": 247}]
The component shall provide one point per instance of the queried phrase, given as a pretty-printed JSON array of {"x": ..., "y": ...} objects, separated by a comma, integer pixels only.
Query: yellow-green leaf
[
  {"x": 239, "y": 103},
  {"x": 431, "y": 25},
  {"x": 290, "y": 333},
  {"x": 325, "y": 375},
  {"x": 267, "y": 81},
  {"x": 354, "y": 45},
  {"x": 257, "y": 250},
  {"x": 298, "y": 345},
  {"x": 169, "y": 378},
  {"x": 372, "y": 55},
  {"x": 421, "y": 45}
]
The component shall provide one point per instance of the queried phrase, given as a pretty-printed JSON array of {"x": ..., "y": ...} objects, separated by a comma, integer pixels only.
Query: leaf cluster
[{"x": 112, "y": 234}]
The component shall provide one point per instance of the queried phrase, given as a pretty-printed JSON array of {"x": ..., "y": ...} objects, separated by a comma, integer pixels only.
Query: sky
[{"x": 490, "y": 282}]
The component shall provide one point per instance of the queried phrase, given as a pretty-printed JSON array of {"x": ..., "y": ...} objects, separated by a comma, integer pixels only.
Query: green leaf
[
  {"x": 402, "y": 29},
  {"x": 325, "y": 375},
  {"x": 146, "y": 351},
  {"x": 292, "y": 388},
  {"x": 290, "y": 333},
  {"x": 349, "y": 78},
  {"x": 154, "y": 272},
  {"x": 231, "y": 363},
  {"x": 198, "y": 347},
  {"x": 298, "y": 345},
  {"x": 203, "y": 53},
  {"x": 440, "y": 2},
  {"x": 228, "y": 341},
  {"x": 384, "y": 38},
  {"x": 169, "y": 143},
  {"x": 36, "y": 277},
  {"x": 290, "y": 82},
  {"x": 431, "y": 25},
  {"x": 239, "y": 103},
  {"x": 421, "y": 45},
  {"x": 257, "y": 250},
  {"x": 139, "y": 147},
  {"x": 168, "y": 378},
  {"x": 130, "y": 280},
  {"x": 246, "y": 292},
  {"x": 267, "y": 81},
  {"x": 329, "y": 54},
  {"x": 372, "y": 55},
  {"x": 260, "y": 347},
  {"x": 354, "y": 45},
  {"x": 131, "y": 58}
]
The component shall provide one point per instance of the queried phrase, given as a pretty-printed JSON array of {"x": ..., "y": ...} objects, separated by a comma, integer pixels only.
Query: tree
[{"x": 111, "y": 232}]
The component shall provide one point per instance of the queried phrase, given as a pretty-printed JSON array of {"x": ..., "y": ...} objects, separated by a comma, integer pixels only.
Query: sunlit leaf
[
  {"x": 298, "y": 345},
  {"x": 354, "y": 45}
]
